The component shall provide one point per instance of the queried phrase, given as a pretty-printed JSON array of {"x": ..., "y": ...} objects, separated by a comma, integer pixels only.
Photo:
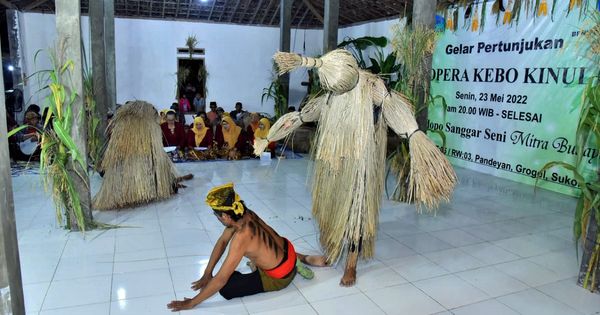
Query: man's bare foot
[
  {"x": 313, "y": 260},
  {"x": 349, "y": 278}
]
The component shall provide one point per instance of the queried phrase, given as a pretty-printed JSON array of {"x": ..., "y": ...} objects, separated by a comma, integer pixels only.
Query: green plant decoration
[
  {"x": 191, "y": 43},
  {"x": 60, "y": 158},
  {"x": 586, "y": 224},
  {"x": 276, "y": 93}
]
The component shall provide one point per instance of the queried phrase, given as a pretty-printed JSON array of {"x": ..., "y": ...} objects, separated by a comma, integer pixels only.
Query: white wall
[
  {"x": 238, "y": 58},
  {"x": 376, "y": 29}
]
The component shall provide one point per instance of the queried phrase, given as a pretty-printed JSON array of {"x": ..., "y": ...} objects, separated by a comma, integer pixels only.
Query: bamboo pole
[{"x": 10, "y": 267}]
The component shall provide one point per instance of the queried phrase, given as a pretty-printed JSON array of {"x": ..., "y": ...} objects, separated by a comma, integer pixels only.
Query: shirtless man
[{"x": 247, "y": 235}]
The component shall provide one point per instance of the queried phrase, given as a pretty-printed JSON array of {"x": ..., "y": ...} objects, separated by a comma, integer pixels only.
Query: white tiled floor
[{"x": 496, "y": 249}]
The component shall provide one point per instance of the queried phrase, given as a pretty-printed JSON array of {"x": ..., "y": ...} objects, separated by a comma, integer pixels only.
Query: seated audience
[
  {"x": 33, "y": 108},
  {"x": 14, "y": 151},
  {"x": 220, "y": 112},
  {"x": 179, "y": 116},
  {"x": 230, "y": 139},
  {"x": 254, "y": 121},
  {"x": 237, "y": 114},
  {"x": 163, "y": 115},
  {"x": 173, "y": 131},
  {"x": 262, "y": 132},
  {"x": 199, "y": 135},
  {"x": 33, "y": 121}
]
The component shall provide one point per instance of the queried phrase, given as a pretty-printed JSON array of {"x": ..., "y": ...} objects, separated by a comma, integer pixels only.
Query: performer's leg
[
  {"x": 313, "y": 260},
  {"x": 240, "y": 285},
  {"x": 349, "y": 277}
]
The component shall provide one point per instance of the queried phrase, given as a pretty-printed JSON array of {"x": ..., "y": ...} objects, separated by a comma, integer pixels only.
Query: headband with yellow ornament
[{"x": 224, "y": 198}]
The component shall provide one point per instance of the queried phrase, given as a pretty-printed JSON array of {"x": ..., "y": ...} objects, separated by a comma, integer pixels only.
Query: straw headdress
[{"x": 338, "y": 70}]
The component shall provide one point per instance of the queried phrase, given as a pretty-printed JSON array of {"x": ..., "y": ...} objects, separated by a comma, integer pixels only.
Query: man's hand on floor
[
  {"x": 197, "y": 285},
  {"x": 176, "y": 306}
]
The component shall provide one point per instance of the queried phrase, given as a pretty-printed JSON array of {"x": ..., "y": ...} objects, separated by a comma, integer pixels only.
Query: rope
[
  {"x": 311, "y": 62},
  {"x": 411, "y": 134}
]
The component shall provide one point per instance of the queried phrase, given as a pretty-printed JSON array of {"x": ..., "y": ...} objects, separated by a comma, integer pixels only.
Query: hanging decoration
[
  {"x": 573, "y": 4},
  {"x": 508, "y": 12},
  {"x": 475, "y": 19},
  {"x": 543, "y": 8},
  {"x": 449, "y": 19}
]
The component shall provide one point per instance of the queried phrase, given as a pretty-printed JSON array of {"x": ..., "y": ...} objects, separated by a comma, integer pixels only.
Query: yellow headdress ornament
[{"x": 224, "y": 198}]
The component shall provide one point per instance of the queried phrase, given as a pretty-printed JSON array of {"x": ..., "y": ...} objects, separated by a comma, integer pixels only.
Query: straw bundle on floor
[
  {"x": 432, "y": 178},
  {"x": 338, "y": 70},
  {"x": 136, "y": 168}
]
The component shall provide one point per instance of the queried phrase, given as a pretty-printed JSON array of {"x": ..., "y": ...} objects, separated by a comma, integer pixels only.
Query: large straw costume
[
  {"x": 350, "y": 149},
  {"x": 136, "y": 168}
]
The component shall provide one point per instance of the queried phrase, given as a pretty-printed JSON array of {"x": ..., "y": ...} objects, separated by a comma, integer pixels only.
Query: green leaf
[
  {"x": 363, "y": 43},
  {"x": 15, "y": 131},
  {"x": 577, "y": 230},
  {"x": 441, "y": 134},
  {"x": 375, "y": 68},
  {"x": 68, "y": 142}
]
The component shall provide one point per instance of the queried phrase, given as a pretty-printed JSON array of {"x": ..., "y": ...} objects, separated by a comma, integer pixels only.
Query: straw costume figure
[
  {"x": 136, "y": 168},
  {"x": 349, "y": 154}
]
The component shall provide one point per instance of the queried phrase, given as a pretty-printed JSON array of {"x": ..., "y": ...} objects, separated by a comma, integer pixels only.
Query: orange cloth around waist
[{"x": 287, "y": 265}]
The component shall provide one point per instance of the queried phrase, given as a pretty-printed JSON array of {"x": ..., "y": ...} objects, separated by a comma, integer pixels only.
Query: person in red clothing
[
  {"x": 199, "y": 135},
  {"x": 173, "y": 132},
  {"x": 230, "y": 139},
  {"x": 264, "y": 125}
]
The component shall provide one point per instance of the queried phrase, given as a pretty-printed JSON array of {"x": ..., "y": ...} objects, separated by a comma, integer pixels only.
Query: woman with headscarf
[
  {"x": 261, "y": 133},
  {"x": 229, "y": 138},
  {"x": 199, "y": 135},
  {"x": 173, "y": 132},
  {"x": 163, "y": 115}
]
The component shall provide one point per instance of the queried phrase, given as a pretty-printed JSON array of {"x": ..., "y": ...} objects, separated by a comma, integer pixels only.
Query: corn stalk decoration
[
  {"x": 60, "y": 159},
  {"x": 586, "y": 225},
  {"x": 191, "y": 43}
]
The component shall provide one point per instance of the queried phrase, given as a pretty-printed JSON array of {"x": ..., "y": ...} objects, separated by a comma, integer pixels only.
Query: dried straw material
[
  {"x": 137, "y": 169},
  {"x": 289, "y": 122},
  {"x": 349, "y": 172},
  {"x": 338, "y": 70},
  {"x": 350, "y": 149},
  {"x": 432, "y": 178}
]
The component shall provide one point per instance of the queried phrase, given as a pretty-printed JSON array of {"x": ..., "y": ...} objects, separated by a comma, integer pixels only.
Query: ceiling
[{"x": 305, "y": 13}]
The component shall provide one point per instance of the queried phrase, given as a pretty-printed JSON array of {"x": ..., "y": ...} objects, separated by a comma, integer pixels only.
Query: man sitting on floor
[{"x": 274, "y": 257}]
